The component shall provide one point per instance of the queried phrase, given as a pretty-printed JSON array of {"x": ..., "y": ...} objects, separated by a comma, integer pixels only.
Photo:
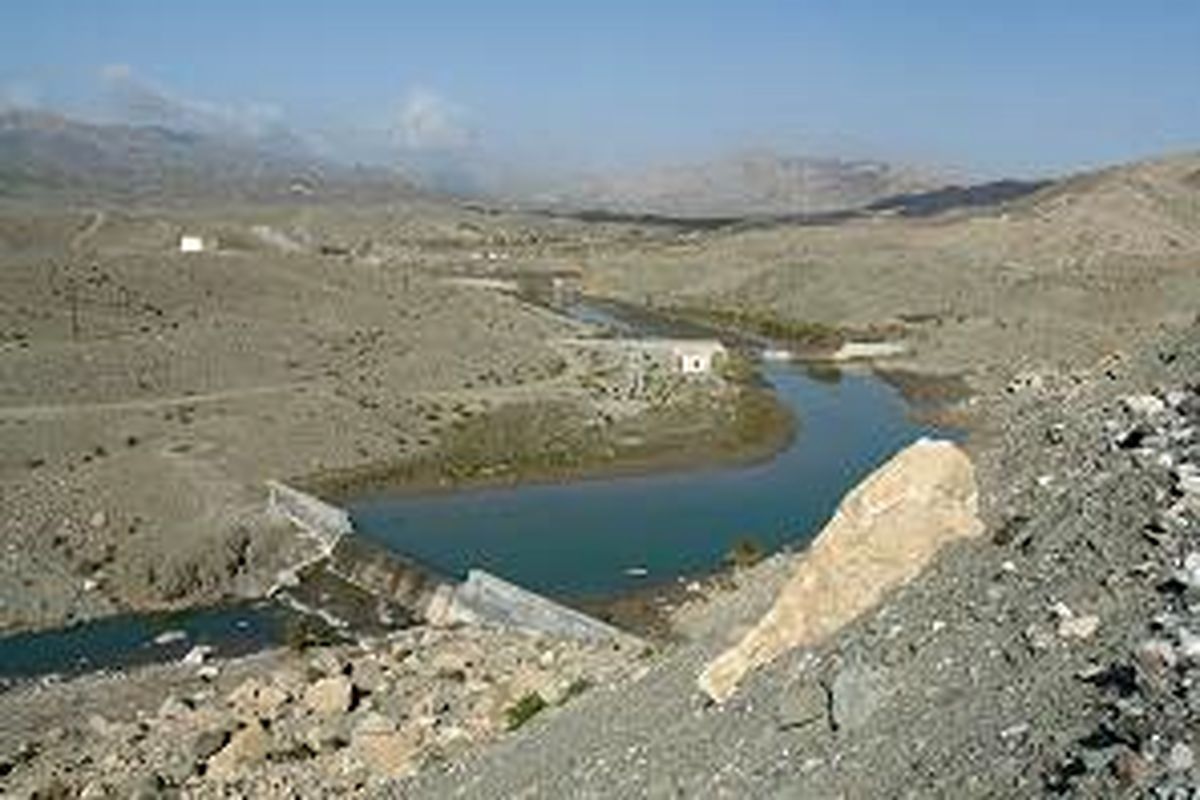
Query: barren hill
[{"x": 759, "y": 183}]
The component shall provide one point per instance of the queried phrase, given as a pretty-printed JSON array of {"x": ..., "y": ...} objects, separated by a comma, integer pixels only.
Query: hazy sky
[{"x": 1015, "y": 86}]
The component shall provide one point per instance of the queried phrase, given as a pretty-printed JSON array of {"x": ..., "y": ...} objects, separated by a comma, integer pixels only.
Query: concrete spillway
[{"x": 419, "y": 592}]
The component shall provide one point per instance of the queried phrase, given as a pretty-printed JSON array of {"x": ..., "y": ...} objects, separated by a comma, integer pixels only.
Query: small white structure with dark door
[{"x": 697, "y": 357}]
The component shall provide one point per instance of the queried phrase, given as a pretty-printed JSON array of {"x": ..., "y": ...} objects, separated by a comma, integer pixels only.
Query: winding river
[{"x": 606, "y": 536}]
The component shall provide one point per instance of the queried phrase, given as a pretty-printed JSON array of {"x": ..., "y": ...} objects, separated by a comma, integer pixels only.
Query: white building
[
  {"x": 697, "y": 357},
  {"x": 191, "y": 244}
]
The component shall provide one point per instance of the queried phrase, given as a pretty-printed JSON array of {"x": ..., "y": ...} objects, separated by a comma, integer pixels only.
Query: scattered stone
[
  {"x": 855, "y": 694},
  {"x": 173, "y": 709},
  {"x": 197, "y": 655},
  {"x": 385, "y": 751},
  {"x": 329, "y": 696},
  {"x": 1130, "y": 768},
  {"x": 254, "y": 699},
  {"x": 1018, "y": 731},
  {"x": 170, "y": 637},
  {"x": 1038, "y": 639},
  {"x": 1189, "y": 573},
  {"x": 1156, "y": 657},
  {"x": 802, "y": 703},
  {"x": 1180, "y": 758},
  {"x": 247, "y": 747},
  {"x": 207, "y": 743},
  {"x": 1071, "y": 626},
  {"x": 1143, "y": 405}
]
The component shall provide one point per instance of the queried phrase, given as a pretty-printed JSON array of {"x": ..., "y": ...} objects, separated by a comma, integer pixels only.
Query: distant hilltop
[{"x": 753, "y": 183}]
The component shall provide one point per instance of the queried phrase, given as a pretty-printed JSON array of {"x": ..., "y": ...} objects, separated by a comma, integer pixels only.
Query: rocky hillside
[{"x": 748, "y": 184}]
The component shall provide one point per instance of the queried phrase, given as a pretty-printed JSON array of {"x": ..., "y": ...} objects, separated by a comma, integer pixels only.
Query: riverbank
[{"x": 547, "y": 443}]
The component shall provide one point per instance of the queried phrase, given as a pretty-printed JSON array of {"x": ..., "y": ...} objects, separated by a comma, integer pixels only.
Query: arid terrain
[{"x": 146, "y": 395}]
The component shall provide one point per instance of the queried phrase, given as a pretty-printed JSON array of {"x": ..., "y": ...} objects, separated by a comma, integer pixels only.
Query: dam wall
[
  {"x": 323, "y": 521},
  {"x": 415, "y": 588},
  {"x": 486, "y": 598}
]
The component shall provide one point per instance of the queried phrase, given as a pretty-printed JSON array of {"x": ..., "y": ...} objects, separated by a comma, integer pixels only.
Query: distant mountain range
[
  {"x": 45, "y": 154},
  {"x": 759, "y": 183}
]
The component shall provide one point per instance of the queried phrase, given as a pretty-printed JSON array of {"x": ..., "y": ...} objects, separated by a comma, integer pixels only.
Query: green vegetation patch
[
  {"x": 765, "y": 323},
  {"x": 745, "y": 552},
  {"x": 524, "y": 710}
]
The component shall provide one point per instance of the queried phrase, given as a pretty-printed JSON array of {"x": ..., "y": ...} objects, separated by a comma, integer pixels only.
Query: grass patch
[
  {"x": 303, "y": 632},
  {"x": 764, "y": 323},
  {"x": 524, "y": 710}
]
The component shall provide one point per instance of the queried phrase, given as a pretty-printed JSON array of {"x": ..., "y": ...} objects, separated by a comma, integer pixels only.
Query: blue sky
[{"x": 1013, "y": 87}]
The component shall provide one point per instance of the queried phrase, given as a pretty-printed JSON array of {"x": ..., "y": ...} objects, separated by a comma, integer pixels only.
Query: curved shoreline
[{"x": 776, "y": 430}]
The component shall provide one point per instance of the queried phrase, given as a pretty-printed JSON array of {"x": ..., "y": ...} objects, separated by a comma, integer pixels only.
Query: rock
[
  {"x": 173, "y": 709},
  {"x": 95, "y": 790},
  {"x": 886, "y": 530},
  {"x": 1130, "y": 768},
  {"x": 257, "y": 700},
  {"x": 1156, "y": 658},
  {"x": 197, "y": 655},
  {"x": 208, "y": 672},
  {"x": 1082, "y": 627},
  {"x": 1188, "y": 481},
  {"x": 1180, "y": 758},
  {"x": 170, "y": 637},
  {"x": 802, "y": 703},
  {"x": 1143, "y": 405},
  {"x": 1189, "y": 573},
  {"x": 147, "y": 787},
  {"x": 98, "y": 520},
  {"x": 1189, "y": 646},
  {"x": 1176, "y": 398},
  {"x": 207, "y": 743},
  {"x": 370, "y": 675},
  {"x": 855, "y": 694},
  {"x": 329, "y": 696},
  {"x": 378, "y": 746},
  {"x": 1015, "y": 732},
  {"x": 1071, "y": 626},
  {"x": 246, "y": 748}
]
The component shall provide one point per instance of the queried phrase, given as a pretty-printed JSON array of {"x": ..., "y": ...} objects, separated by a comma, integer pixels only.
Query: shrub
[
  {"x": 524, "y": 710},
  {"x": 576, "y": 688},
  {"x": 746, "y": 552}
]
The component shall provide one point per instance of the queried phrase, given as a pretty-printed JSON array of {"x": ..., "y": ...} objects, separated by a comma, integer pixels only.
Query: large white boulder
[{"x": 886, "y": 530}]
